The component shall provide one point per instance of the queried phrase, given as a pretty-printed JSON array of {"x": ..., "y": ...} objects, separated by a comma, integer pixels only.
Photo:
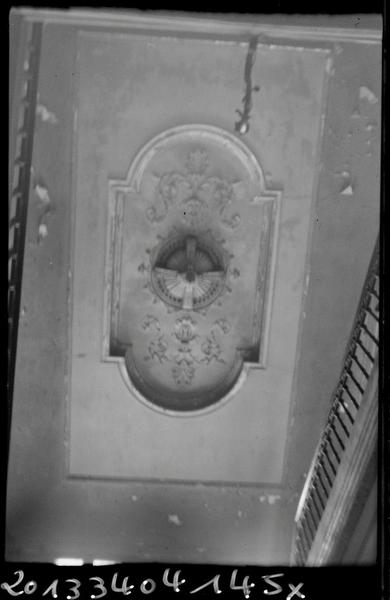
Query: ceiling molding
[{"x": 311, "y": 27}]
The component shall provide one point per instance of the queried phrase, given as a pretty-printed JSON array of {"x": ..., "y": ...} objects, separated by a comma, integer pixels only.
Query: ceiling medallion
[
  {"x": 190, "y": 252},
  {"x": 188, "y": 272}
]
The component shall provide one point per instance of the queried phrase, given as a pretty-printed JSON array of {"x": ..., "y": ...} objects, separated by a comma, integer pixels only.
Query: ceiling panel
[{"x": 132, "y": 88}]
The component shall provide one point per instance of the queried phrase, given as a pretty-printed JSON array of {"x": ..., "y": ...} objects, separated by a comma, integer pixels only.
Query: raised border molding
[{"x": 311, "y": 28}]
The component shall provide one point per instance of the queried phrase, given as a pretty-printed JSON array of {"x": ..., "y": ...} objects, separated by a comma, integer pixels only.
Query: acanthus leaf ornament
[
  {"x": 194, "y": 191},
  {"x": 187, "y": 349}
]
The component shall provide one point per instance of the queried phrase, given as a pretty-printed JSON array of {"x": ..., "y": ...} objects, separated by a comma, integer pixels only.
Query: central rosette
[{"x": 188, "y": 272}]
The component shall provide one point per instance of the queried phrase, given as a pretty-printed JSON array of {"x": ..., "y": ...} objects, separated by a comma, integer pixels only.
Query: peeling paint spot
[
  {"x": 329, "y": 68},
  {"x": 366, "y": 94},
  {"x": 372, "y": 124},
  {"x": 273, "y": 498},
  {"x": 46, "y": 115},
  {"x": 26, "y": 65},
  {"x": 134, "y": 498},
  {"x": 225, "y": 43},
  {"x": 346, "y": 188},
  {"x": 239, "y": 514},
  {"x": 42, "y": 194},
  {"x": 23, "y": 311},
  {"x": 356, "y": 114},
  {"x": 262, "y": 499},
  {"x": 322, "y": 124},
  {"x": 42, "y": 232},
  {"x": 293, "y": 497},
  {"x": 174, "y": 519},
  {"x": 347, "y": 191}
]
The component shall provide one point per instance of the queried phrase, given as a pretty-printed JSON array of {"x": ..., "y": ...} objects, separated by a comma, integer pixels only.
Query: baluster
[
  {"x": 319, "y": 496},
  {"x": 310, "y": 522},
  {"x": 333, "y": 427},
  {"x": 346, "y": 388},
  {"x": 338, "y": 417},
  {"x": 329, "y": 438},
  {"x": 323, "y": 485},
  {"x": 326, "y": 473},
  {"x": 314, "y": 503},
  {"x": 329, "y": 461},
  {"x": 300, "y": 551},
  {"x": 351, "y": 375},
  {"x": 305, "y": 538},
  {"x": 370, "y": 335},
  {"x": 345, "y": 407},
  {"x": 365, "y": 350}
]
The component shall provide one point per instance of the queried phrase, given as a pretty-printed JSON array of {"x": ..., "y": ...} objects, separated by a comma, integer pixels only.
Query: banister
[{"x": 359, "y": 361}]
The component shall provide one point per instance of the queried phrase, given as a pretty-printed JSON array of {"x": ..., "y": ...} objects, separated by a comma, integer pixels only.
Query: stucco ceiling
[
  {"x": 234, "y": 473},
  {"x": 120, "y": 113}
]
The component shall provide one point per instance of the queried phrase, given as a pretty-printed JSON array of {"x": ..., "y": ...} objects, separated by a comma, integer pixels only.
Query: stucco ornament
[
  {"x": 188, "y": 295},
  {"x": 188, "y": 272},
  {"x": 195, "y": 190}
]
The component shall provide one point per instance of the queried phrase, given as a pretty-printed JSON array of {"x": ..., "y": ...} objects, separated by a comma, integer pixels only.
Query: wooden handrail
[{"x": 353, "y": 391}]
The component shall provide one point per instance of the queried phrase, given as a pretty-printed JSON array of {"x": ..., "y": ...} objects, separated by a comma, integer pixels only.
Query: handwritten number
[
  {"x": 151, "y": 584},
  {"x": 214, "y": 581},
  {"x": 295, "y": 591},
  {"x": 52, "y": 588},
  {"x": 9, "y": 588},
  {"x": 74, "y": 589},
  {"x": 100, "y": 585},
  {"x": 268, "y": 580},
  {"x": 30, "y": 587},
  {"x": 125, "y": 589},
  {"x": 245, "y": 587},
  {"x": 175, "y": 583}
]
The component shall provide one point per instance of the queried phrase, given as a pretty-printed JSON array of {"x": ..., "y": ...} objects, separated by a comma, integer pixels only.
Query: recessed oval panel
[{"x": 187, "y": 294}]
